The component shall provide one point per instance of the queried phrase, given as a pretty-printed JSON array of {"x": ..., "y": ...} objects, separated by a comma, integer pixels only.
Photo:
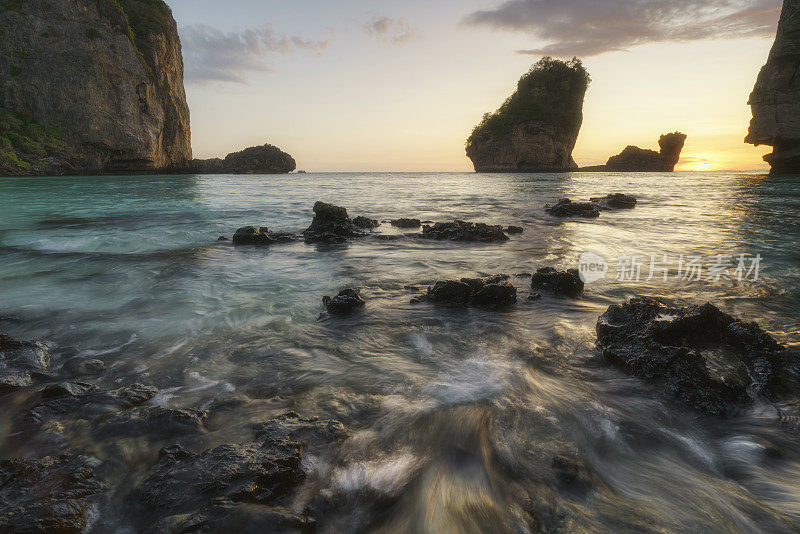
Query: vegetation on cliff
[
  {"x": 546, "y": 94},
  {"x": 23, "y": 141}
]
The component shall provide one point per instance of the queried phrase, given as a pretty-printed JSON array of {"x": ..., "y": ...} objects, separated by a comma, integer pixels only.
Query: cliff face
[
  {"x": 775, "y": 100},
  {"x": 535, "y": 130},
  {"x": 102, "y": 78},
  {"x": 635, "y": 159}
]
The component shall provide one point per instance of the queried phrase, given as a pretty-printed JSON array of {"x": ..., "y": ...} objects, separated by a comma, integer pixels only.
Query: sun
[{"x": 696, "y": 162}]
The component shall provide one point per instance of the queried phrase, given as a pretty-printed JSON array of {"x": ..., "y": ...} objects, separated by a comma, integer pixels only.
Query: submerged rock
[
  {"x": 406, "y": 223},
  {"x": 567, "y": 282},
  {"x": 365, "y": 222},
  {"x": 536, "y": 128},
  {"x": 330, "y": 225},
  {"x": 514, "y": 229},
  {"x": 617, "y": 201},
  {"x": 84, "y": 400},
  {"x": 21, "y": 361},
  {"x": 153, "y": 421},
  {"x": 347, "y": 301},
  {"x": 491, "y": 293},
  {"x": 775, "y": 100},
  {"x": 250, "y": 235},
  {"x": 567, "y": 208},
  {"x": 51, "y": 495},
  {"x": 704, "y": 357},
  {"x": 464, "y": 231}
]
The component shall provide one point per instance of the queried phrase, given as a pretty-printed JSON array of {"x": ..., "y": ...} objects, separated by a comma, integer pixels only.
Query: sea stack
[
  {"x": 775, "y": 100},
  {"x": 91, "y": 86},
  {"x": 535, "y": 130},
  {"x": 635, "y": 159}
]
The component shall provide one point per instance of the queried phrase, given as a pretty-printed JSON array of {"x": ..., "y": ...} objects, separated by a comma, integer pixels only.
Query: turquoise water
[{"x": 129, "y": 270}]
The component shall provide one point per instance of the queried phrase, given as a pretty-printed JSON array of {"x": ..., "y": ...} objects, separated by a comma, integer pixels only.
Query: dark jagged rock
[
  {"x": 330, "y": 225},
  {"x": 704, "y": 357},
  {"x": 248, "y": 484},
  {"x": 775, "y": 100},
  {"x": 82, "y": 366},
  {"x": 81, "y": 399},
  {"x": 464, "y": 231},
  {"x": 635, "y": 159},
  {"x": 536, "y": 128},
  {"x": 153, "y": 421},
  {"x": 365, "y": 222},
  {"x": 566, "y": 283},
  {"x": 347, "y": 301},
  {"x": 51, "y": 495},
  {"x": 491, "y": 293},
  {"x": 514, "y": 229},
  {"x": 265, "y": 159},
  {"x": 406, "y": 223},
  {"x": 567, "y": 208},
  {"x": 250, "y": 235},
  {"x": 617, "y": 201}
]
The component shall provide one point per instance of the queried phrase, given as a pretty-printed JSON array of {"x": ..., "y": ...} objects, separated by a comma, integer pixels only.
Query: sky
[{"x": 374, "y": 85}]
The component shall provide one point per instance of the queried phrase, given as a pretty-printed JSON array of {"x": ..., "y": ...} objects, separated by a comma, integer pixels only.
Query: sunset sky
[{"x": 359, "y": 85}]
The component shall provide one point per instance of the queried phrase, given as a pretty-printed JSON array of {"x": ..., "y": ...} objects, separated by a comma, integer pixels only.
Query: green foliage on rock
[
  {"x": 23, "y": 141},
  {"x": 547, "y": 93}
]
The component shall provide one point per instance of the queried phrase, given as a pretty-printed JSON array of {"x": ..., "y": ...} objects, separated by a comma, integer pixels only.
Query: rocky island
[
  {"x": 635, "y": 159},
  {"x": 775, "y": 100},
  {"x": 96, "y": 87},
  {"x": 535, "y": 130}
]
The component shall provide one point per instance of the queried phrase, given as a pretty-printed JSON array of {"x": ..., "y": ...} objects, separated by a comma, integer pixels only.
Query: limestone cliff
[
  {"x": 635, "y": 159},
  {"x": 775, "y": 100},
  {"x": 91, "y": 86},
  {"x": 535, "y": 130}
]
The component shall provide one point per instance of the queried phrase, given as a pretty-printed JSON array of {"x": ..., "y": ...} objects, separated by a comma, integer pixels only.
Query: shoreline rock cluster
[
  {"x": 332, "y": 224},
  {"x": 591, "y": 210}
]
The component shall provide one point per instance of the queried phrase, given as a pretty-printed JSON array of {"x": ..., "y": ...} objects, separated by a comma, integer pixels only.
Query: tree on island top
[{"x": 551, "y": 91}]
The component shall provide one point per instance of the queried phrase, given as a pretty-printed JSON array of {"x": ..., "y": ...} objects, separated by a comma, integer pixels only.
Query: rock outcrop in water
[
  {"x": 635, "y": 159},
  {"x": 464, "y": 231},
  {"x": 492, "y": 293},
  {"x": 91, "y": 86},
  {"x": 266, "y": 159},
  {"x": 567, "y": 208},
  {"x": 775, "y": 100},
  {"x": 347, "y": 301},
  {"x": 330, "y": 225},
  {"x": 566, "y": 283},
  {"x": 535, "y": 130},
  {"x": 702, "y": 356},
  {"x": 21, "y": 362}
]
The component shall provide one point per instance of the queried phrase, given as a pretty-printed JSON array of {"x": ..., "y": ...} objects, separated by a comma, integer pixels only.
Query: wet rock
[
  {"x": 83, "y": 366},
  {"x": 20, "y": 356},
  {"x": 464, "y": 231},
  {"x": 51, "y": 495},
  {"x": 248, "y": 483},
  {"x": 514, "y": 230},
  {"x": 704, "y": 357},
  {"x": 390, "y": 237},
  {"x": 154, "y": 421},
  {"x": 492, "y": 293},
  {"x": 250, "y": 235},
  {"x": 567, "y": 208},
  {"x": 406, "y": 223},
  {"x": 347, "y": 301},
  {"x": 617, "y": 201},
  {"x": 81, "y": 399},
  {"x": 222, "y": 238},
  {"x": 365, "y": 222},
  {"x": 330, "y": 225},
  {"x": 224, "y": 515},
  {"x": 14, "y": 381},
  {"x": 567, "y": 282}
]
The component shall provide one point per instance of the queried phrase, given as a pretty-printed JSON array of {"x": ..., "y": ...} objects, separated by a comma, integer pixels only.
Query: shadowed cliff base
[
  {"x": 635, "y": 159},
  {"x": 775, "y": 100},
  {"x": 535, "y": 130}
]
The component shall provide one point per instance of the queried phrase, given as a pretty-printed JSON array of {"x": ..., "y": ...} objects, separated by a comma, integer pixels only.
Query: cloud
[
  {"x": 592, "y": 27},
  {"x": 395, "y": 31},
  {"x": 213, "y": 55}
]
